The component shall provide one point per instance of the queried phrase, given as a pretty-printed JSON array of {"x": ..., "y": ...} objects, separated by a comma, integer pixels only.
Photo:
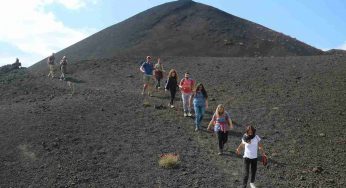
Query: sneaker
[
  {"x": 196, "y": 129},
  {"x": 189, "y": 114},
  {"x": 220, "y": 153},
  {"x": 172, "y": 106},
  {"x": 185, "y": 114},
  {"x": 252, "y": 185}
]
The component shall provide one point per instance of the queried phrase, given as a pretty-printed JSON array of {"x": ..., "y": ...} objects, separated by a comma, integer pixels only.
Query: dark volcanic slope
[
  {"x": 104, "y": 137},
  {"x": 187, "y": 28}
]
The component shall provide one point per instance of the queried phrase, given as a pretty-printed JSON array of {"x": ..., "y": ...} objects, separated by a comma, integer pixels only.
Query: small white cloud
[
  {"x": 72, "y": 4},
  {"x": 75, "y": 4},
  {"x": 35, "y": 31},
  {"x": 343, "y": 47}
]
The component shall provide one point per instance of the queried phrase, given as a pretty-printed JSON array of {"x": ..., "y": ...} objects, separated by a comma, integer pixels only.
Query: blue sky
[{"x": 40, "y": 27}]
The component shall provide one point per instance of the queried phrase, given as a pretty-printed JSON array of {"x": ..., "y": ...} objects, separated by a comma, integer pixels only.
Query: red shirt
[{"x": 186, "y": 85}]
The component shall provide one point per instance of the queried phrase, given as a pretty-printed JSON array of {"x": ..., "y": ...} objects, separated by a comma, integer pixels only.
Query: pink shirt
[{"x": 186, "y": 85}]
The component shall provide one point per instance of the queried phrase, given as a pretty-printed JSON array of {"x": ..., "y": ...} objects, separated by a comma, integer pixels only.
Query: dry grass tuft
[
  {"x": 146, "y": 104},
  {"x": 170, "y": 160}
]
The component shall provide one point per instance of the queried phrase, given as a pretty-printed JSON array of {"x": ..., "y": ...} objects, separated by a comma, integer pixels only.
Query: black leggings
[
  {"x": 222, "y": 137},
  {"x": 158, "y": 82},
  {"x": 173, "y": 92},
  {"x": 247, "y": 163}
]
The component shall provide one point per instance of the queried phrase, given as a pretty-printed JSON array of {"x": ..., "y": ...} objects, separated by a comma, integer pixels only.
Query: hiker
[
  {"x": 63, "y": 67},
  {"x": 172, "y": 85},
  {"x": 147, "y": 68},
  {"x": 200, "y": 103},
  {"x": 251, "y": 143},
  {"x": 186, "y": 86},
  {"x": 158, "y": 73},
  {"x": 222, "y": 124},
  {"x": 16, "y": 64},
  {"x": 50, "y": 62},
  {"x": 10, "y": 67}
]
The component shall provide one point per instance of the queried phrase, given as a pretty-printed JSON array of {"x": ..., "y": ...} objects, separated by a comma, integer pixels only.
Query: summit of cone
[{"x": 187, "y": 28}]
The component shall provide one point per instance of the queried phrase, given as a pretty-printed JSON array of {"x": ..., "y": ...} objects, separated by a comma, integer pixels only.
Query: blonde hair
[
  {"x": 218, "y": 109},
  {"x": 170, "y": 73}
]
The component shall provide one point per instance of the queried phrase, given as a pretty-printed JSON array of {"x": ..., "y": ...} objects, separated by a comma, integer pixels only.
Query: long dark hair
[
  {"x": 250, "y": 127},
  {"x": 204, "y": 92},
  {"x": 246, "y": 137}
]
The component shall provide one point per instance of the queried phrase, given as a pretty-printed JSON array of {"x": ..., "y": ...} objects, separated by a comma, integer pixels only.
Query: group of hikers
[
  {"x": 62, "y": 66},
  {"x": 10, "y": 67},
  {"x": 220, "y": 123}
]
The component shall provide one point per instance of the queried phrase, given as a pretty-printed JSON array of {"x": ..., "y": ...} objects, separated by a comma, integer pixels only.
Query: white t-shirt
[{"x": 251, "y": 148}]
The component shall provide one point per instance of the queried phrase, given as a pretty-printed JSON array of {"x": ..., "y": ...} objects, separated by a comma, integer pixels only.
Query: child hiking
[
  {"x": 200, "y": 104},
  {"x": 63, "y": 67},
  {"x": 147, "y": 68},
  {"x": 251, "y": 143},
  {"x": 50, "y": 62},
  {"x": 186, "y": 85},
  {"x": 172, "y": 85},
  {"x": 158, "y": 73},
  {"x": 222, "y": 124}
]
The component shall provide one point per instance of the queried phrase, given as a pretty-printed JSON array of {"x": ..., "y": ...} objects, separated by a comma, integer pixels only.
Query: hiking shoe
[
  {"x": 185, "y": 114},
  {"x": 189, "y": 114},
  {"x": 252, "y": 185}
]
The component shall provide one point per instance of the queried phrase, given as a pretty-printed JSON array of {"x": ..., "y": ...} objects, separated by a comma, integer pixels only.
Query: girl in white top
[{"x": 251, "y": 143}]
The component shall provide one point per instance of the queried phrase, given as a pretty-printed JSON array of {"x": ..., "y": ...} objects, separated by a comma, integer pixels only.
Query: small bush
[
  {"x": 170, "y": 160},
  {"x": 146, "y": 104}
]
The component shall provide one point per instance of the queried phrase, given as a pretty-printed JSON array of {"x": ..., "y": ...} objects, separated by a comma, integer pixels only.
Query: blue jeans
[{"x": 199, "y": 112}]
